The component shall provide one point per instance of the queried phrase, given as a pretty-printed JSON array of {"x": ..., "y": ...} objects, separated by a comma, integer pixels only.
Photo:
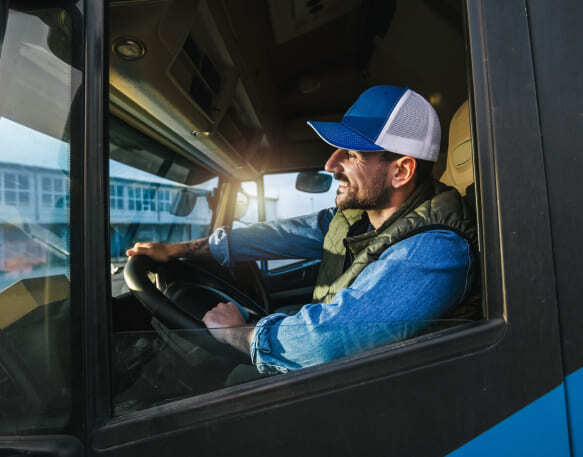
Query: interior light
[{"x": 129, "y": 48}]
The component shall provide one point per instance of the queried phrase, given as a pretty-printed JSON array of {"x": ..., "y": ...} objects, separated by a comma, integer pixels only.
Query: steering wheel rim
[
  {"x": 165, "y": 310},
  {"x": 136, "y": 277}
]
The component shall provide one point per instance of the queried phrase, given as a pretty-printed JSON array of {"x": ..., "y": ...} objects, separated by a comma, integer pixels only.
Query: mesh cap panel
[
  {"x": 386, "y": 117},
  {"x": 412, "y": 119}
]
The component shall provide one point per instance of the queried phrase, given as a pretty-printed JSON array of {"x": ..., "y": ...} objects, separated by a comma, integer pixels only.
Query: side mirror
[
  {"x": 183, "y": 203},
  {"x": 242, "y": 206},
  {"x": 313, "y": 182}
]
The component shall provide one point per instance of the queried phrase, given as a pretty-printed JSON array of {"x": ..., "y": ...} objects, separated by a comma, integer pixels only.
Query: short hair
[{"x": 423, "y": 172}]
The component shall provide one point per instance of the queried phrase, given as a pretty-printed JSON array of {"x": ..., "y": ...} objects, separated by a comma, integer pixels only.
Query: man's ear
[{"x": 403, "y": 171}]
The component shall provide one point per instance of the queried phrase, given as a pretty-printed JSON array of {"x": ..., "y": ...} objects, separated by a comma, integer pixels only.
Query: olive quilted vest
[{"x": 431, "y": 206}]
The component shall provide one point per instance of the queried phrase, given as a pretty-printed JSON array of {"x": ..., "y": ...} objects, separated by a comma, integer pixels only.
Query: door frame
[{"x": 475, "y": 350}]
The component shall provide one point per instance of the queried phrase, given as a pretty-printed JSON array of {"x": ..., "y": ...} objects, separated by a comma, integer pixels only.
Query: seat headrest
[{"x": 459, "y": 171}]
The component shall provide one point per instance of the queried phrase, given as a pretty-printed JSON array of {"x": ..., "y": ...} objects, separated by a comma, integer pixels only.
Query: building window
[
  {"x": 135, "y": 198},
  {"x": 116, "y": 196},
  {"x": 16, "y": 191},
  {"x": 53, "y": 192},
  {"x": 141, "y": 199},
  {"x": 164, "y": 200},
  {"x": 149, "y": 199}
]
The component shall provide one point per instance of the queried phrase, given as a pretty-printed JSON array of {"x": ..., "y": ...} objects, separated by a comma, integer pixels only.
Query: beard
[{"x": 375, "y": 196}]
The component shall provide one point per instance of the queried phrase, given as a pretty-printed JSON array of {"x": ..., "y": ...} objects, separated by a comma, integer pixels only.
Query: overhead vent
[
  {"x": 197, "y": 75},
  {"x": 293, "y": 18}
]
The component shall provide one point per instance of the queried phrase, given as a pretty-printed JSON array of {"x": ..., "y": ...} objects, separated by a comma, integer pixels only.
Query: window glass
[
  {"x": 147, "y": 207},
  {"x": 141, "y": 210},
  {"x": 37, "y": 88},
  {"x": 283, "y": 200},
  {"x": 165, "y": 364},
  {"x": 246, "y": 209}
]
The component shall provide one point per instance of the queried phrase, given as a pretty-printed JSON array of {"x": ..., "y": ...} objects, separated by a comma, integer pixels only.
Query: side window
[
  {"x": 156, "y": 362},
  {"x": 39, "y": 85},
  {"x": 283, "y": 200}
]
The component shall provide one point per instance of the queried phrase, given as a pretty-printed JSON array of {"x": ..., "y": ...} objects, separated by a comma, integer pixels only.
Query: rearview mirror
[
  {"x": 183, "y": 203},
  {"x": 313, "y": 182}
]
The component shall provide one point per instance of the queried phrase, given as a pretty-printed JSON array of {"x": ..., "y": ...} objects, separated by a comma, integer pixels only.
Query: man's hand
[
  {"x": 227, "y": 325},
  {"x": 164, "y": 252},
  {"x": 158, "y": 251}
]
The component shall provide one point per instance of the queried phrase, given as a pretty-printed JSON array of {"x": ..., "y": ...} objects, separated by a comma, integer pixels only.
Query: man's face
[{"x": 363, "y": 177}]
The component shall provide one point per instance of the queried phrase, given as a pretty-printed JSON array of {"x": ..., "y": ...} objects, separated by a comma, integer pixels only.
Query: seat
[
  {"x": 459, "y": 173},
  {"x": 459, "y": 170}
]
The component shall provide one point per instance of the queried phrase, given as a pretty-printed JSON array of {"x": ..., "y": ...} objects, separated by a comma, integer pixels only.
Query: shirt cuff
[
  {"x": 260, "y": 349},
  {"x": 219, "y": 246}
]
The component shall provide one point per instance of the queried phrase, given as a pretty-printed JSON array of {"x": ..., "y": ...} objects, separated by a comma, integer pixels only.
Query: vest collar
[{"x": 419, "y": 195}]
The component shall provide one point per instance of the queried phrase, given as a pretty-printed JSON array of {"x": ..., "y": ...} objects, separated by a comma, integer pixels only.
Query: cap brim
[{"x": 339, "y": 136}]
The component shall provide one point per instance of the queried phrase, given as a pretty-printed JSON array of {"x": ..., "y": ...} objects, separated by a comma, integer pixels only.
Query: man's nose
[{"x": 334, "y": 163}]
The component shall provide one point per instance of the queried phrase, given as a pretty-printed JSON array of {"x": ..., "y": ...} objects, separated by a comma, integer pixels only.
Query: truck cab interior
[
  {"x": 226, "y": 88},
  {"x": 235, "y": 82},
  {"x": 206, "y": 100}
]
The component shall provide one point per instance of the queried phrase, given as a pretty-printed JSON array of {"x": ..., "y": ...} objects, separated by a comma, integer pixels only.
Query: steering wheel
[{"x": 184, "y": 303}]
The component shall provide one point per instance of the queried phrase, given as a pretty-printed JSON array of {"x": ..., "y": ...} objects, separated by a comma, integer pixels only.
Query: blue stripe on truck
[
  {"x": 574, "y": 388},
  {"x": 538, "y": 429}
]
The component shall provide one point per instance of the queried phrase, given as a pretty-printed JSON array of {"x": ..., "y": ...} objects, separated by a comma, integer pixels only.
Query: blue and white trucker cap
[{"x": 386, "y": 118}]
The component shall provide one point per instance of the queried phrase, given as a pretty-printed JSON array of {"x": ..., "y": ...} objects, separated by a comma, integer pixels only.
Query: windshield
[{"x": 149, "y": 196}]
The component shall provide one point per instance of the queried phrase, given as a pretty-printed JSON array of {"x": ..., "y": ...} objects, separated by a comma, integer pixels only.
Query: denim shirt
[{"x": 413, "y": 282}]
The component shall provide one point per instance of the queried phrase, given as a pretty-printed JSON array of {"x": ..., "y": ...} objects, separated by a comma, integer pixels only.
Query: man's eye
[{"x": 350, "y": 155}]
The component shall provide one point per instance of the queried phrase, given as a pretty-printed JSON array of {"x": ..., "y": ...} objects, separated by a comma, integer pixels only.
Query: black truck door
[
  {"x": 492, "y": 387},
  {"x": 560, "y": 94}
]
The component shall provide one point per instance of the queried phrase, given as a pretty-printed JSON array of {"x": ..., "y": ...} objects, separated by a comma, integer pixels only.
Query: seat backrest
[{"x": 459, "y": 172}]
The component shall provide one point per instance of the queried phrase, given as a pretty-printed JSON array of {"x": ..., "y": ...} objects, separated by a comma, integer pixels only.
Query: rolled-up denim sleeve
[
  {"x": 294, "y": 238},
  {"x": 219, "y": 246},
  {"x": 412, "y": 283}
]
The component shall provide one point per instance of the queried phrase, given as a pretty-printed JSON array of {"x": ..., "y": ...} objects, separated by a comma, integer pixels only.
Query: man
[{"x": 397, "y": 251}]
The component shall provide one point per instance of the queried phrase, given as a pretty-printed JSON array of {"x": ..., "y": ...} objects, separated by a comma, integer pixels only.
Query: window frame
[
  {"x": 90, "y": 262},
  {"x": 385, "y": 360}
]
